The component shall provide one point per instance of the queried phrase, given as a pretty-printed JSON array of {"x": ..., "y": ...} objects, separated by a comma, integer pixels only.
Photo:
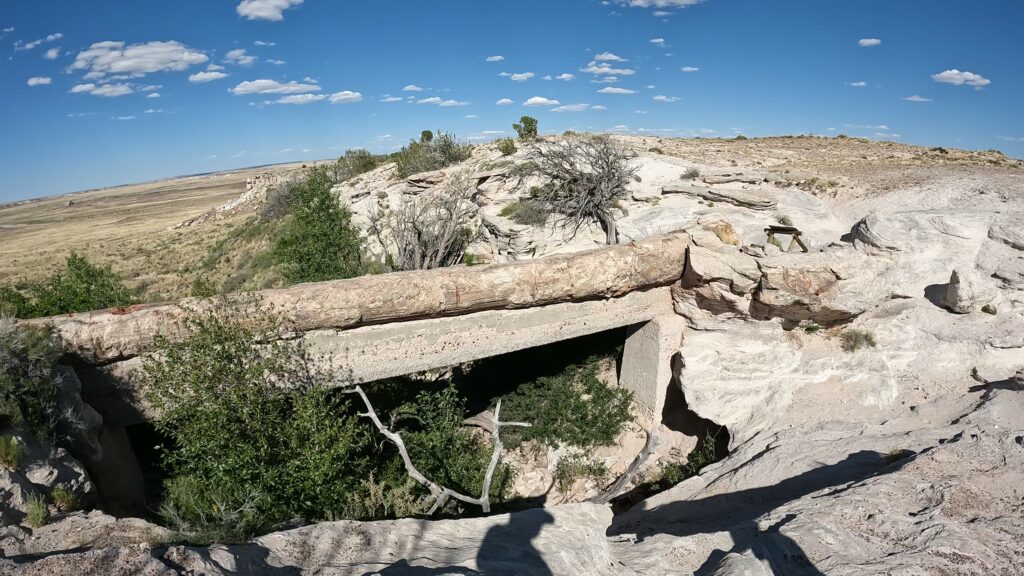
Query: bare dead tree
[
  {"x": 587, "y": 177},
  {"x": 440, "y": 493},
  {"x": 429, "y": 231}
]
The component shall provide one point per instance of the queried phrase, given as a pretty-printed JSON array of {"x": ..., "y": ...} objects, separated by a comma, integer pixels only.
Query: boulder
[
  {"x": 967, "y": 291},
  {"x": 1009, "y": 231}
]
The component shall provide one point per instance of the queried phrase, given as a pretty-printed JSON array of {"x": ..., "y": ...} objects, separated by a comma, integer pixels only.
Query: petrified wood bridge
[{"x": 394, "y": 324}]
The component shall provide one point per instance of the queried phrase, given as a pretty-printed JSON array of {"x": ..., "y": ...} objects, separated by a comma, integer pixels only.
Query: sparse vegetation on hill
[
  {"x": 526, "y": 129},
  {"x": 319, "y": 242},
  {"x": 28, "y": 383},
  {"x": 81, "y": 287},
  {"x": 507, "y": 146},
  {"x": 355, "y": 162},
  {"x": 438, "y": 152},
  {"x": 528, "y": 211}
]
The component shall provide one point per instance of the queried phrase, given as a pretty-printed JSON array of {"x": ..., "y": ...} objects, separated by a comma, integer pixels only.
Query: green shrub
[
  {"x": 528, "y": 212},
  {"x": 28, "y": 383},
  {"x": 11, "y": 452},
  {"x": 441, "y": 151},
  {"x": 355, "y": 162},
  {"x": 426, "y": 136},
  {"x": 527, "y": 128},
  {"x": 64, "y": 499},
  {"x": 691, "y": 174},
  {"x": 574, "y": 408},
  {"x": 853, "y": 340},
  {"x": 656, "y": 150},
  {"x": 81, "y": 287},
  {"x": 507, "y": 146},
  {"x": 202, "y": 288},
  {"x": 674, "y": 472},
  {"x": 278, "y": 203},
  {"x": 37, "y": 512},
  {"x": 812, "y": 328},
  {"x": 320, "y": 242},
  {"x": 576, "y": 466}
]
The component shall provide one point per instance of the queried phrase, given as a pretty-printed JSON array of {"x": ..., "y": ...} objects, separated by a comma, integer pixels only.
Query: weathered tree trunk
[{"x": 611, "y": 231}]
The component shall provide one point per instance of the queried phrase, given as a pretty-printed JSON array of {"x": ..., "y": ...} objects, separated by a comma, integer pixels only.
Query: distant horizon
[{"x": 100, "y": 94}]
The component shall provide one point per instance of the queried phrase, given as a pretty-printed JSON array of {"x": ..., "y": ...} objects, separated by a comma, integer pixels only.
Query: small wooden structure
[{"x": 793, "y": 232}]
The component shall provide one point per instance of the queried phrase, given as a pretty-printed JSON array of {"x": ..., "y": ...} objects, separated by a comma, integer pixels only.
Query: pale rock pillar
[{"x": 647, "y": 364}]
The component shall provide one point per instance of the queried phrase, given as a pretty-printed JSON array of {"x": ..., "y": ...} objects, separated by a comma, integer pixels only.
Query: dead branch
[{"x": 440, "y": 493}]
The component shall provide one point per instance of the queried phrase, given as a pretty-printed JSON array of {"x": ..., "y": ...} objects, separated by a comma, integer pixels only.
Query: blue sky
[{"x": 107, "y": 92}]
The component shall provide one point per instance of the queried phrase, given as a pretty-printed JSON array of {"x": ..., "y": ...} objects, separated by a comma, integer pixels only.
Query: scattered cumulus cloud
[
  {"x": 658, "y": 41},
  {"x": 659, "y": 3},
  {"x": 596, "y": 67},
  {"x": 412, "y": 88},
  {"x": 123, "y": 61},
  {"x": 155, "y": 111},
  {"x": 605, "y": 80},
  {"x": 571, "y": 108},
  {"x": 541, "y": 101},
  {"x": 958, "y": 78},
  {"x": 689, "y": 69},
  {"x": 522, "y": 76},
  {"x": 615, "y": 90},
  {"x": 262, "y": 43},
  {"x": 109, "y": 90},
  {"x": 239, "y": 57},
  {"x": 272, "y": 10},
  {"x": 276, "y": 62},
  {"x": 1012, "y": 138},
  {"x": 122, "y": 117},
  {"x": 390, "y": 98},
  {"x": 39, "y": 81},
  {"x": 153, "y": 95},
  {"x": 505, "y": 102},
  {"x": 300, "y": 99},
  {"x": 916, "y": 98},
  {"x": 866, "y": 42},
  {"x": 608, "y": 57},
  {"x": 202, "y": 77},
  {"x": 265, "y": 86},
  {"x": 565, "y": 77},
  {"x": 431, "y": 100},
  {"x": 442, "y": 102},
  {"x": 598, "y": 107},
  {"x": 472, "y": 116},
  {"x": 52, "y": 53},
  {"x": 858, "y": 84},
  {"x": 19, "y": 45},
  {"x": 496, "y": 58},
  {"x": 661, "y": 98}
]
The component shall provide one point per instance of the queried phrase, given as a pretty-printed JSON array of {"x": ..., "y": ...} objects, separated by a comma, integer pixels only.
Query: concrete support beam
[{"x": 647, "y": 364}]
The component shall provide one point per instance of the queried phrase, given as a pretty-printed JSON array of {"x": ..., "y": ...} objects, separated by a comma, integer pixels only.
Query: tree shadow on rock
[
  {"x": 738, "y": 512},
  {"x": 505, "y": 550}
]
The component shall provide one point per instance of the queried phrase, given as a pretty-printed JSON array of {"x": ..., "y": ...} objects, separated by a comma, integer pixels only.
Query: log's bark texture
[{"x": 117, "y": 334}]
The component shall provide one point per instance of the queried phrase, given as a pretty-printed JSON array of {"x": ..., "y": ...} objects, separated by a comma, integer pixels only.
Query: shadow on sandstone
[
  {"x": 738, "y": 512},
  {"x": 505, "y": 550}
]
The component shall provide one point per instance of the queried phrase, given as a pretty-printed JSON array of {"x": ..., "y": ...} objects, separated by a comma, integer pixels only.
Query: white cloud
[
  {"x": 605, "y": 80},
  {"x": 689, "y": 69},
  {"x": 136, "y": 60},
  {"x": 19, "y": 45},
  {"x": 388, "y": 98},
  {"x": 122, "y": 117},
  {"x": 958, "y": 78},
  {"x": 11, "y": 29},
  {"x": 412, "y": 88},
  {"x": 155, "y": 111},
  {"x": 522, "y": 76},
  {"x": 916, "y": 98},
  {"x": 52, "y": 53},
  {"x": 214, "y": 67},
  {"x": 201, "y": 77},
  {"x": 604, "y": 68},
  {"x": 865, "y": 42},
  {"x": 1012, "y": 138},
  {"x": 265, "y": 9},
  {"x": 614, "y": 90},
  {"x": 496, "y": 58},
  {"x": 609, "y": 57},
  {"x": 505, "y": 102},
  {"x": 265, "y": 86},
  {"x": 450, "y": 103},
  {"x": 658, "y": 41},
  {"x": 659, "y": 3},
  {"x": 276, "y": 62},
  {"x": 661, "y": 98},
  {"x": 571, "y": 108},
  {"x": 858, "y": 84},
  {"x": 541, "y": 101},
  {"x": 431, "y": 100},
  {"x": 110, "y": 90},
  {"x": 504, "y": 74},
  {"x": 262, "y": 43},
  {"x": 153, "y": 95},
  {"x": 661, "y": 14},
  {"x": 39, "y": 81},
  {"x": 599, "y": 107},
  {"x": 472, "y": 116},
  {"x": 639, "y": 111},
  {"x": 301, "y": 99},
  {"x": 239, "y": 57},
  {"x": 565, "y": 77}
]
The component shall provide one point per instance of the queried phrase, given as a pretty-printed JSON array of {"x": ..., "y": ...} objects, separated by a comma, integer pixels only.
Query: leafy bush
[
  {"x": 319, "y": 242},
  {"x": 81, "y": 287},
  {"x": 355, "y": 162},
  {"x": 255, "y": 428},
  {"x": 11, "y": 452},
  {"x": 64, "y": 499},
  {"x": 587, "y": 176},
  {"x": 656, "y": 150},
  {"x": 574, "y": 407},
  {"x": 426, "y": 136},
  {"x": 527, "y": 128},
  {"x": 441, "y": 151},
  {"x": 278, "y": 203},
  {"x": 528, "y": 212},
  {"x": 202, "y": 288},
  {"x": 691, "y": 174},
  {"x": 37, "y": 511},
  {"x": 28, "y": 383},
  {"x": 507, "y": 146},
  {"x": 674, "y": 472},
  {"x": 576, "y": 466},
  {"x": 853, "y": 340}
]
